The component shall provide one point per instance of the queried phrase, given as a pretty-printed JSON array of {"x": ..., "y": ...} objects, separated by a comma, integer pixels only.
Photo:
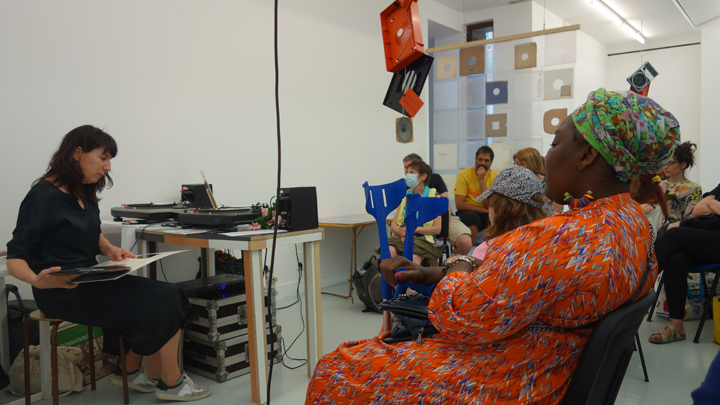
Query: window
[{"x": 479, "y": 31}]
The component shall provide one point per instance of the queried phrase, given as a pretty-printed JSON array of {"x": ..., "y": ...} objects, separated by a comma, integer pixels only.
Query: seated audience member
[
  {"x": 424, "y": 244},
  {"x": 677, "y": 251},
  {"x": 530, "y": 159},
  {"x": 646, "y": 191},
  {"x": 515, "y": 199},
  {"x": 681, "y": 193},
  {"x": 458, "y": 233},
  {"x": 472, "y": 182},
  {"x": 510, "y": 331}
]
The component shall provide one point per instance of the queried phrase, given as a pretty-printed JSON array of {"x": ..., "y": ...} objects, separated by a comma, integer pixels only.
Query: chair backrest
[
  {"x": 603, "y": 362},
  {"x": 445, "y": 229}
]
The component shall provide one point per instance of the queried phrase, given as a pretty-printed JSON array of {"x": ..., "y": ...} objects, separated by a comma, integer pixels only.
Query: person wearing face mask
[
  {"x": 424, "y": 244},
  {"x": 472, "y": 182},
  {"x": 458, "y": 233}
]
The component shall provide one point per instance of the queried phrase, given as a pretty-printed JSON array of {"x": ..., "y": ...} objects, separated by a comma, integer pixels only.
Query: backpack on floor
[{"x": 367, "y": 281}]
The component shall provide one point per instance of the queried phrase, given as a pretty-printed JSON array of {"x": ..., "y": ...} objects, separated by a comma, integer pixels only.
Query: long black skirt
[{"x": 145, "y": 313}]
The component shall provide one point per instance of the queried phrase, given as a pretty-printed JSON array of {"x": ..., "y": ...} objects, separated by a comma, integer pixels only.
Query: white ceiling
[{"x": 658, "y": 20}]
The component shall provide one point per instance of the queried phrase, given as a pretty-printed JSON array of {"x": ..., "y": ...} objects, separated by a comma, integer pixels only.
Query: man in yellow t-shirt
[{"x": 472, "y": 182}]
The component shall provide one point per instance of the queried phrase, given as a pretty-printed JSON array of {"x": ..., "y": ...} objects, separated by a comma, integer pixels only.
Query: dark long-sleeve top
[{"x": 53, "y": 230}]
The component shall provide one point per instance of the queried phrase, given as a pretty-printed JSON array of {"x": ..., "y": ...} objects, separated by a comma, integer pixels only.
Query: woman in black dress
[{"x": 58, "y": 227}]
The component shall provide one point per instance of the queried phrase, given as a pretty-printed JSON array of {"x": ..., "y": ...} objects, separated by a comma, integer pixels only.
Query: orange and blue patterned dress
[{"x": 504, "y": 329}]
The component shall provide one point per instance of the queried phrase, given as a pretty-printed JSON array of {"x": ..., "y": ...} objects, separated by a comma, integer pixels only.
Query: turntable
[
  {"x": 147, "y": 212},
  {"x": 219, "y": 218}
]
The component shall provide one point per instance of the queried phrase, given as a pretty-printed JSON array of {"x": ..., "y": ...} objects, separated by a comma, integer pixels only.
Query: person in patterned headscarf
[{"x": 511, "y": 330}]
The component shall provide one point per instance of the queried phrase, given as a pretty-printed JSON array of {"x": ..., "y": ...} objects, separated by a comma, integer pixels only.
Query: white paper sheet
[{"x": 135, "y": 264}]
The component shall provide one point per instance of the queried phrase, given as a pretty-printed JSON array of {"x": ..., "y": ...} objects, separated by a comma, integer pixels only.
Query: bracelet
[{"x": 456, "y": 259}]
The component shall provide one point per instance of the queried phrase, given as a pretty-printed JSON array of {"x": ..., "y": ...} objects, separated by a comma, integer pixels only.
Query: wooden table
[
  {"x": 252, "y": 247},
  {"x": 357, "y": 224}
]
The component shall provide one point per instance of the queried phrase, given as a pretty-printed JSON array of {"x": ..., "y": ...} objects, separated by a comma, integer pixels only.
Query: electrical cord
[
  {"x": 302, "y": 320},
  {"x": 279, "y": 166}
]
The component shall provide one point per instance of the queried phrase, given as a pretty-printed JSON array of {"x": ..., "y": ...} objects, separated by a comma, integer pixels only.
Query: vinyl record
[{"x": 404, "y": 130}]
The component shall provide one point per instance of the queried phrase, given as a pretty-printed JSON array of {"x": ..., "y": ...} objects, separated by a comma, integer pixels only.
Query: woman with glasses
[{"x": 682, "y": 194}]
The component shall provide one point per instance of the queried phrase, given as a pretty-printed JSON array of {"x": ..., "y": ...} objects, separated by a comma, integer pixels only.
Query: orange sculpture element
[
  {"x": 401, "y": 33},
  {"x": 411, "y": 102}
]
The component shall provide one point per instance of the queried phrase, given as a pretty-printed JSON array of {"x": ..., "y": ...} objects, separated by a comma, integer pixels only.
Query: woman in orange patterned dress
[{"x": 511, "y": 329}]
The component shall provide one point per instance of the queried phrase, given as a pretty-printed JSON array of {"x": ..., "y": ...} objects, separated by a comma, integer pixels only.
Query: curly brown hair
[
  {"x": 511, "y": 214},
  {"x": 685, "y": 153}
]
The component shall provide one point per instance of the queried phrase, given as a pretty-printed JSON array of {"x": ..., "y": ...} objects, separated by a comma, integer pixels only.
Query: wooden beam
[{"x": 505, "y": 38}]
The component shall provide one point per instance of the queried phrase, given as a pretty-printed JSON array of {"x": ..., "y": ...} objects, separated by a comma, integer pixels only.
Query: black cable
[
  {"x": 275, "y": 227},
  {"x": 163, "y": 271},
  {"x": 302, "y": 320},
  {"x": 137, "y": 238}
]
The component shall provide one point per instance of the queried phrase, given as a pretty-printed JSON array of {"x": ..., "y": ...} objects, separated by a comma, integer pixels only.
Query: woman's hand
[
  {"x": 45, "y": 279},
  {"x": 414, "y": 273},
  {"x": 115, "y": 253}
]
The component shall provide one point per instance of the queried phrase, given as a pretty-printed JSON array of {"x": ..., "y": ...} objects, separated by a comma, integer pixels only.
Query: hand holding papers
[{"x": 112, "y": 270}]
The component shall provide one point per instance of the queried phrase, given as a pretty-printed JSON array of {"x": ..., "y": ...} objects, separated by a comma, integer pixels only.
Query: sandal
[{"x": 674, "y": 336}]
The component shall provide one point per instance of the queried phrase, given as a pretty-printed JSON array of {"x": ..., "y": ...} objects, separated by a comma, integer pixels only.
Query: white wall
[
  {"x": 709, "y": 133},
  {"x": 512, "y": 19},
  {"x": 676, "y": 88},
  {"x": 185, "y": 86}
]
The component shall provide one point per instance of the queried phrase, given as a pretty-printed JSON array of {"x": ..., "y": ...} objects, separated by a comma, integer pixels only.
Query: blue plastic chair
[
  {"x": 380, "y": 201},
  {"x": 418, "y": 210}
]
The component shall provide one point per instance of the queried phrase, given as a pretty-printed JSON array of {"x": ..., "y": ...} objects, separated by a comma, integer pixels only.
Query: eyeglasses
[{"x": 671, "y": 162}]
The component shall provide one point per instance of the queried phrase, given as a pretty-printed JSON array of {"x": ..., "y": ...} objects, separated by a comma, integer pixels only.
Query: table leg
[
  {"x": 313, "y": 307},
  {"x": 45, "y": 374},
  {"x": 353, "y": 262},
  {"x": 152, "y": 267},
  {"x": 255, "y": 299}
]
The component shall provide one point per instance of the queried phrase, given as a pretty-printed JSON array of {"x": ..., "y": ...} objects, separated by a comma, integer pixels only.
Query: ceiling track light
[{"x": 619, "y": 20}]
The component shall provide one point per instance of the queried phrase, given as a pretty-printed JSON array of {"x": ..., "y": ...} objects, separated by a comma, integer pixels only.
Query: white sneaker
[
  {"x": 185, "y": 390},
  {"x": 139, "y": 380}
]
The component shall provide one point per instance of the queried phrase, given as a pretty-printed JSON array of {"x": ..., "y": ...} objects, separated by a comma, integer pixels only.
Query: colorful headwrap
[{"x": 633, "y": 133}]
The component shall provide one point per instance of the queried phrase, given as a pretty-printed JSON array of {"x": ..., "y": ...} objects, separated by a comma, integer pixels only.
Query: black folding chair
[
  {"x": 446, "y": 247},
  {"x": 605, "y": 358}
]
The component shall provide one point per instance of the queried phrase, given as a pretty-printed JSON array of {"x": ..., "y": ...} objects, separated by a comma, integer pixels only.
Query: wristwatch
[{"x": 456, "y": 259}]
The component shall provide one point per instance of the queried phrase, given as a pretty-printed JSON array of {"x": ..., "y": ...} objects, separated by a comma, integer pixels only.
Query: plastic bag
[
  {"x": 69, "y": 376},
  {"x": 694, "y": 302}
]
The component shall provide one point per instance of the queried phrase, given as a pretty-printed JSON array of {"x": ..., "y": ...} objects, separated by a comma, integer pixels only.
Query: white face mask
[{"x": 411, "y": 179}]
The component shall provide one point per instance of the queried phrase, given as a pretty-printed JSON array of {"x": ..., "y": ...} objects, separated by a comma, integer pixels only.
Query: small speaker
[
  {"x": 195, "y": 195},
  {"x": 298, "y": 207},
  {"x": 404, "y": 130},
  {"x": 642, "y": 77}
]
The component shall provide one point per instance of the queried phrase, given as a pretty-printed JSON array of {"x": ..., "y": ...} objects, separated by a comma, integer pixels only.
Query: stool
[{"x": 38, "y": 316}]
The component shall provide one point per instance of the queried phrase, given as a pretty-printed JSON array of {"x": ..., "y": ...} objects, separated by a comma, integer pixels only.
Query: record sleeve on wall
[
  {"x": 526, "y": 55},
  {"x": 495, "y": 125},
  {"x": 472, "y": 60},
  {"x": 558, "y": 84},
  {"x": 446, "y": 67}
]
